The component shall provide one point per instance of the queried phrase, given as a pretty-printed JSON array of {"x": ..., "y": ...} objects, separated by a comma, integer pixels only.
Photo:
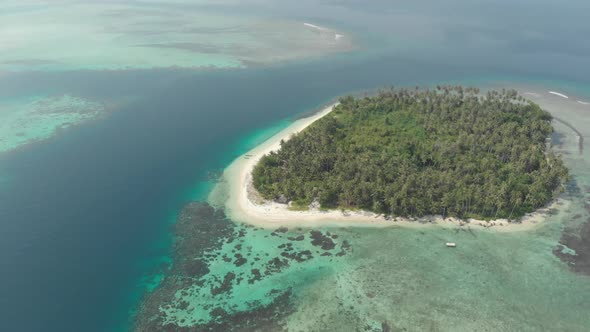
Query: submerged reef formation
[
  {"x": 574, "y": 245},
  {"x": 131, "y": 35},
  {"x": 574, "y": 248},
  {"x": 228, "y": 277},
  {"x": 33, "y": 119}
]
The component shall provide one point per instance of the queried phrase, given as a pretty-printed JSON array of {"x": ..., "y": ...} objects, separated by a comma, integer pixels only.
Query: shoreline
[{"x": 242, "y": 203}]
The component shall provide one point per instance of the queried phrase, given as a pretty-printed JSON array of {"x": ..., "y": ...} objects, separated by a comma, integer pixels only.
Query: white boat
[{"x": 451, "y": 244}]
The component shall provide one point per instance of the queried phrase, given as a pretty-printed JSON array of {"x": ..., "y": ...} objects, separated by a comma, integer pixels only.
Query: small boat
[{"x": 451, "y": 244}]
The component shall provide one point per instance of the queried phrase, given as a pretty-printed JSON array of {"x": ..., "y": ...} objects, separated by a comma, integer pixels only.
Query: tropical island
[{"x": 449, "y": 151}]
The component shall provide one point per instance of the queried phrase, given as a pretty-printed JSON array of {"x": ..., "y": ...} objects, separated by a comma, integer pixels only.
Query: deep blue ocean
[{"x": 85, "y": 215}]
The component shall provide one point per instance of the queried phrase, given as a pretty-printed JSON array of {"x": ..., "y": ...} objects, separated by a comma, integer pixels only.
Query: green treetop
[{"x": 448, "y": 151}]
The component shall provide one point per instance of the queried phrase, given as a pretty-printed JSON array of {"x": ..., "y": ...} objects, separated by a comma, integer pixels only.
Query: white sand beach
[{"x": 236, "y": 193}]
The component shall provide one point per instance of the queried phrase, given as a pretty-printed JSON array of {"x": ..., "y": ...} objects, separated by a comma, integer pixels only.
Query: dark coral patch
[
  {"x": 225, "y": 286},
  {"x": 276, "y": 265},
  {"x": 318, "y": 239},
  {"x": 240, "y": 260},
  {"x": 577, "y": 239},
  {"x": 256, "y": 276},
  {"x": 301, "y": 256},
  {"x": 264, "y": 318},
  {"x": 279, "y": 230},
  {"x": 195, "y": 268},
  {"x": 296, "y": 238}
]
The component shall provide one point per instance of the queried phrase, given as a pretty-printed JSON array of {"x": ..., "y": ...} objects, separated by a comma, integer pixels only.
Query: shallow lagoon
[
  {"x": 398, "y": 278},
  {"x": 40, "y": 117},
  {"x": 115, "y": 35}
]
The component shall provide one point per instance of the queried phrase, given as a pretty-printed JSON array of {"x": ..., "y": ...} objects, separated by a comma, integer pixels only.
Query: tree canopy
[{"x": 448, "y": 151}]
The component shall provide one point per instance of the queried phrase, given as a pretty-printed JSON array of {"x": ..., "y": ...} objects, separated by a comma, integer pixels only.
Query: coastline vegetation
[{"x": 449, "y": 151}]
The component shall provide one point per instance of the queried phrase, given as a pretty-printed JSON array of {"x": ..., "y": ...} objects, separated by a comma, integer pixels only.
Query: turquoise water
[
  {"x": 135, "y": 197},
  {"x": 404, "y": 278},
  {"x": 137, "y": 35},
  {"x": 199, "y": 191},
  {"x": 88, "y": 216},
  {"x": 41, "y": 117}
]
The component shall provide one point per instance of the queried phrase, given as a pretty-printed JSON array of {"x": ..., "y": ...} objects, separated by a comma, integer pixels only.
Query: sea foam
[{"x": 559, "y": 94}]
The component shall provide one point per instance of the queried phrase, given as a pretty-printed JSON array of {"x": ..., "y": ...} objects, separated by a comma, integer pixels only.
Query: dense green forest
[{"x": 448, "y": 151}]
